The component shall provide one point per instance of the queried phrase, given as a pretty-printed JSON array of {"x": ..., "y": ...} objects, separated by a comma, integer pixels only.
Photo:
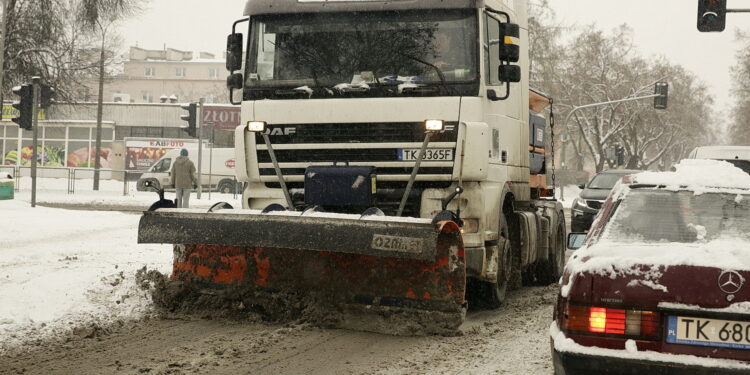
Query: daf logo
[
  {"x": 281, "y": 131},
  {"x": 730, "y": 282}
]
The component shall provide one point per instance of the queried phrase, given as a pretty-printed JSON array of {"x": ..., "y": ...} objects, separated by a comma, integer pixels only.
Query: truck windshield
[
  {"x": 648, "y": 215},
  {"x": 363, "y": 54}
]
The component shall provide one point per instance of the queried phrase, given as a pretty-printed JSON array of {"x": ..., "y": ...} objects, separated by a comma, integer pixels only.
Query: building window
[
  {"x": 180, "y": 72},
  {"x": 148, "y": 97},
  {"x": 150, "y": 71},
  {"x": 213, "y": 73}
]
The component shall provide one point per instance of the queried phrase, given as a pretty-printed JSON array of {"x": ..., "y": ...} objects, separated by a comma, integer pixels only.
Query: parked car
[
  {"x": 221, "y": 168},
  {"x": 737, "y": 155},
  {"x": 593, "y": 194},
  {"x": 661, "y": 284}
]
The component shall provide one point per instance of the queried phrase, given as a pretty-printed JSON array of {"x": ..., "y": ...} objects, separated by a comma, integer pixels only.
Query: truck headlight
[
  {"x": 434, "y": 125},
  {"x": 256, "y": 126}
]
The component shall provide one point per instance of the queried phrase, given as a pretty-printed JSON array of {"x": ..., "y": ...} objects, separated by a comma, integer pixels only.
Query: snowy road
[
  {"x": 511, "y": 340},
  {"x": 69, "y": 304}
]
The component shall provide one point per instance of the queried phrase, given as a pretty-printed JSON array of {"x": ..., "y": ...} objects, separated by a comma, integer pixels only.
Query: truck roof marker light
[
  {"x": 256, "y": 126},
  {"x": 434, "y": 125}
]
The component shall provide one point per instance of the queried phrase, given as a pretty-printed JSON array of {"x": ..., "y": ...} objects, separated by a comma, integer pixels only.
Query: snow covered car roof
[{"x": 697, "y": 175}]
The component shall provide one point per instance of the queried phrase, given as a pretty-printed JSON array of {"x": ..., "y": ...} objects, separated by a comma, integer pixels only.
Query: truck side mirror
[
  {"x": 235, "y": 81},
  {"x": 510, "y": 29},
  {"x": 234, "y": 52},
  {"x": 510, "y": 53},
  {"x": 509, "y": 73}
]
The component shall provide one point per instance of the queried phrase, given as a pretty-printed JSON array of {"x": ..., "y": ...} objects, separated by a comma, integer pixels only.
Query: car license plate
[
  {"x": 433, "y": 154},
  {"x": 708, "y": 332}
]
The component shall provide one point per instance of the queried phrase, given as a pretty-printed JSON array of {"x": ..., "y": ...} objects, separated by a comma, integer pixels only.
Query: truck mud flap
[{"x": 365, "y": 272}]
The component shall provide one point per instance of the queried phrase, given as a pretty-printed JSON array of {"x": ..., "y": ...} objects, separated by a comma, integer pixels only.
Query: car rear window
[
  {"x": 652, "y": 215},
  {"x": 604, "y": 181}
]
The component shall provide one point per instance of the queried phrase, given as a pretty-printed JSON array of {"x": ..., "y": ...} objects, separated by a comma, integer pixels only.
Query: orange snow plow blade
[{"x": 388, "y": 275}]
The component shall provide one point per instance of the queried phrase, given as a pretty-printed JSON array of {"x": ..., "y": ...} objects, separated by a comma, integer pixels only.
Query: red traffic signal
[{"x": 712, "y": 15}]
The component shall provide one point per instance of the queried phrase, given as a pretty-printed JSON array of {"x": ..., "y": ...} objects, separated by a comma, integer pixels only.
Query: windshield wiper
[{"x": 439, "y": 72}]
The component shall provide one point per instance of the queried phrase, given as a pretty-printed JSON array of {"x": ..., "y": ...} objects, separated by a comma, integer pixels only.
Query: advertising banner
[
  {"x": 223, "y": 118},
  {"x": 141, "y": 154}
]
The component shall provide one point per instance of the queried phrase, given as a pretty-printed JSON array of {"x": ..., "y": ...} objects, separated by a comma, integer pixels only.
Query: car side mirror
[
  {"x": 582, "y": 186},
  {"x": 509, "y": 73},
  {"x": 234, "y": 52},
  {"x": 576, "y": 240}
]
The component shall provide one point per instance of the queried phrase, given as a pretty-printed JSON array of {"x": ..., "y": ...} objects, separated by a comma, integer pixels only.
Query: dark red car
[{"x": 661, "y": 284}]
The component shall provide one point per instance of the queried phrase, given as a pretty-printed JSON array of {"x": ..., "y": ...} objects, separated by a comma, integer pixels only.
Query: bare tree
[{"x": 100, "y": 17}]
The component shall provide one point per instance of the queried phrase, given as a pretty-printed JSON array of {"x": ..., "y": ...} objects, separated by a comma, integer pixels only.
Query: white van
[
  {"x": 220, "y": 166},
  {"x": 737, "y": 155}
]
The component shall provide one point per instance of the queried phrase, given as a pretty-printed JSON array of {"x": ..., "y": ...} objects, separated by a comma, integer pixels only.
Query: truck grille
[
  {"x": 373, "y": 144},
  {"x": 355, "y": 133}
]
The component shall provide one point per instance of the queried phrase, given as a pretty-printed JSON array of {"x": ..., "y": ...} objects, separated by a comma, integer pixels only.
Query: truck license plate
[
  {"x": 435, "y": 154},
  {"x": 708, "y": 332}
]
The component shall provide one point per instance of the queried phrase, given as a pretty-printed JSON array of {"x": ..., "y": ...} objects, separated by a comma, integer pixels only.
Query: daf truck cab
[{"x": 359, "y": 83}]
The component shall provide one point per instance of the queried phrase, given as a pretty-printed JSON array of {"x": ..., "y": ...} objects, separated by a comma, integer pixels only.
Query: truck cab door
[{"x": 505, "y": 116}]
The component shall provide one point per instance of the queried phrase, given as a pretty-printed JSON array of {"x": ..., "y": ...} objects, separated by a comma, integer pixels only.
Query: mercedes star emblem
[{"x": 730, "y": 282}]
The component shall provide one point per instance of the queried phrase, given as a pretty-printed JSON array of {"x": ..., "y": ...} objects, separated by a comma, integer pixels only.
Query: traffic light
[
  {"x": 191, "y": 118},
  {"x": 48, "y": 96},
  {"x": 661, "y": 89},
  {"x": 24, "y": 106},
  {"x": 712, "y": 15}
]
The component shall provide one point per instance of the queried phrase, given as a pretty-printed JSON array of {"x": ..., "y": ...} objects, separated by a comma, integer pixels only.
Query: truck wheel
[
  {"x": 226, "y": 187},
  {"x": 495, "y": 292},
  {"x": 551, "y": 271}
]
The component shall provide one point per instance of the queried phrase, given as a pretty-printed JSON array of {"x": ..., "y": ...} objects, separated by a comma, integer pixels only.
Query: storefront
[{"x": 61, "y": 144}]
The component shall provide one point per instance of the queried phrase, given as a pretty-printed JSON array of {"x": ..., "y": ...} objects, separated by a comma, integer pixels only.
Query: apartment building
[{"x": 166, "y": 76}]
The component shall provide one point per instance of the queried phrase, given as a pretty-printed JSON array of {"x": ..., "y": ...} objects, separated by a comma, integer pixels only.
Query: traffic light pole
[
  {"x": 36, "y": 85},
  {"x": 200, "y": 145}
]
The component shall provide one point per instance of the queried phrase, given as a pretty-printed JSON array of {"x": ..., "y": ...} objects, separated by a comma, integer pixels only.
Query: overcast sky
[{"x": 661, "y": 27}]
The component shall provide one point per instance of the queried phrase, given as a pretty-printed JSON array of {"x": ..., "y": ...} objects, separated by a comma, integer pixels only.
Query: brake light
[{"x": 603, "y": 320}]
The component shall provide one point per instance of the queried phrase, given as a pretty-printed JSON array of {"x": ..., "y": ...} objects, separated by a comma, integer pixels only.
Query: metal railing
[{"x": 73, "y": 175}]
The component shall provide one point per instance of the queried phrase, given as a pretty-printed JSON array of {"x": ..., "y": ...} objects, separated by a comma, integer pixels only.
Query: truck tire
[
  {"x": 226, "y": 187},
  {"x": 550, "y": 271},
  {"x": 495, "y": 293}
]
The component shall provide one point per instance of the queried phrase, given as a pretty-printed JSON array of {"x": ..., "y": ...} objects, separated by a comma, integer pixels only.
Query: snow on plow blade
[{"x": 389, "y": 275}]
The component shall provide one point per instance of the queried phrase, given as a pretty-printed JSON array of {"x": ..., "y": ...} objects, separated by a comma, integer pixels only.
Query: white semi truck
[{"x": 394, "y": 157}]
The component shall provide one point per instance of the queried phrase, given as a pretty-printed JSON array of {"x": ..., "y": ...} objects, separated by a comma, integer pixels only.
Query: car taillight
[{"x": 603, "y": 320}]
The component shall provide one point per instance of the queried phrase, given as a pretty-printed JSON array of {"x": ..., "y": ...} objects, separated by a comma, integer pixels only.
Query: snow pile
[
  {"x": 63, "y": 270},
  {"x": 696, "y": 175},
  {"x": 566, "y": 345}
]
